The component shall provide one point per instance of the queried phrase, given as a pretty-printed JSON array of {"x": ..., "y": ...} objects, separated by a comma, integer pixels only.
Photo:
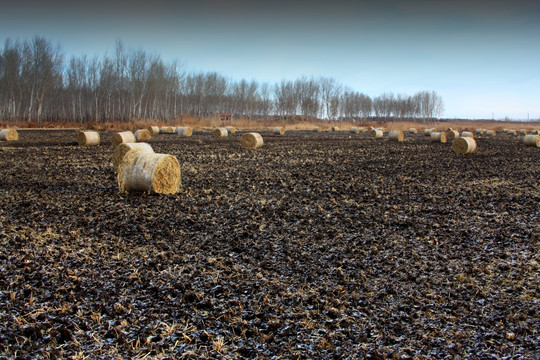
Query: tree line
[{"x": 37, "y": 84}]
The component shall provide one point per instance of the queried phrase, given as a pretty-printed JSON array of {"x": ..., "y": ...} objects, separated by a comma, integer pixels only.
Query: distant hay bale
[
  {"x": 376, "y": 133},
  {"x": 9, "y": 135},
  {"x": 153, "y": 130},
  {"x": 535, "y": 132},
  {"x": 355, "y": 130},
  {"x": 362, "y": 129},
  {"x": 464, "y": 145},
  {"x": 428, "y": 132},
  {"x": 522, "y": 131},
  {"x": 438, "y": 137},
  {"x": 184, "y": 131},
  {"x": 251, "y": 141},
  {"x": 505, "y": 131},
  {"x": 221, "y": 132},
  {"x": 166, "y": 130},
  {"x": 143, "y": 134},
  {"x": 335, "y": 128},
  {"x": 317, "y": 129},
  {"x": 491, "y": 132},
  {"x": 479, "y": 131},
  {"x": 512, "y": 132},
  {"x": 150, "y": 172},
  {"x": 532, "y": 140},
  {"x": 122, "y": 149},
  {"x": 452, "y": 134},
  {"x": 88, "y": 138},
  {"x": 123, "y": 137},
  {"x": 467, "y": 134},
  {"x": 413, "y": 131},
  {"x": 230, "y": 129},
  {"x": 279, "y": 130},
  {"x": 396, "y": 135}
]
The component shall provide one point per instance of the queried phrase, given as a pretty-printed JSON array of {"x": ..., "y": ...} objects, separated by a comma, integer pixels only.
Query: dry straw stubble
[
  {"x": 122, "y": 137},
  {"x": 252, "y": 141},
  {"x": 9, "y": 135},
  {"x": 464, "y": 145},
  {"x": 150, "y": 172},
  {"x": 122, "y": 150},
  {"x": 88, "y": 138}
]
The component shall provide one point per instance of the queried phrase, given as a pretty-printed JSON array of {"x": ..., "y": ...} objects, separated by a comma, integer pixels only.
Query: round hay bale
[
  {"x": 150, "y": 172},
  {"x": 523, "y": 131},
  {"x": 467, "y": 134},
  {"x": 512, "y": 132},
  {"x": 452, "y": 134},
  {"x": 428, "y": 132},
  {"x": 335, "y": 128},
  {"x": 279, "y": 130},
  {"x": 166, "y": 130},
  {"x": 123, "y": 137},
  {"x": 9, "y": 135},
  {"x": 479, "y": 131},
  {"x": 221, "y": 132},
  {"x": 122, "y": 149},
  {"x": 184, "y": 131},
  {"x": 449, "y": 129},
  {"x": 355, "y": 130},
  {"x": 88, "y": 138},
  {"x": 532, "y": 140},
  {"x": 535, "y": 132},
  {"x": 413, "y": 131},
  {"x": 197, "y": 128},
  {"x": 505, "y": 131},
  {"x": 230, "y": 129},
  {"x": 491, "y": 132},
  {"x": 438, "y": 137},
  {"x": 317, "y": 129},
  {"x": 251, "y": 141},
  {"x": 464, "y": 145},
  {"x": 396, "y": 135},
  {"x": 153, "y": 130},
  {"x": 376, "y": 133},
  {"x": 143, "y": 134},
  {"x": 362, "y": 129}
]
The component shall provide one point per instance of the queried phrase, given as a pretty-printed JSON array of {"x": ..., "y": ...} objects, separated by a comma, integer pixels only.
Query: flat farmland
[{"x": 317, "y": 245}]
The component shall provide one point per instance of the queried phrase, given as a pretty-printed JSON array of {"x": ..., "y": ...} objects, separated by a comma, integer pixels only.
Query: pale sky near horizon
[{"x": 483, "y": 58}]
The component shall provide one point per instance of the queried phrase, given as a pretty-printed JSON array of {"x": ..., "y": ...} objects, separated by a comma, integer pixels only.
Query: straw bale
[
  {"x": 143, "y": 134},
  {"x": 230, "y": 129},
  {"x": 153, "y": 130},
  {"x": 335, "y": 128},
  {"x": 317, "y": 129},
  {"x": 491, "y": 132},
  {"x": 535, "y": 132},
  {"x": 123, "y": 137},
  {"x": 479, "y": 131},
  {"x": 184, "y": 131},
  {"x": 464, "y": 145},
  {"x": 88, "y": 138},
  {"x": 428, "y": 132},
  {"x": 376, "y": 133},
  {"x": 467, "y": 134},
  {"x": 355, "y": 130},
  {"x": 166, "y": 130},
  {"x": 197, "y": 128},
  {"x": 396, "y": 135},
  {"x": 522, "y": 131},
  {"x": 149, "y": 172},
  {"x": 9, "y": 134},
  {"x": 512, "y": 132},
  {"x": 279, "y": 130},
  {"x": 221, "y": 132},
  {"x": 438, "y": 137},
  {"x": 532, "y": 140},
  {"x": 122, "y": 149},
  {"x": 452, "y": 134},
  {"x": 252, "y": 141},
  {"x": 505, "y": 131},
  {"x": 413, "y": 131}
]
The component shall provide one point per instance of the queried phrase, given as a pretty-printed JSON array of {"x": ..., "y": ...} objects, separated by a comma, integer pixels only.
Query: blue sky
[{"x": 483, "y": 58}]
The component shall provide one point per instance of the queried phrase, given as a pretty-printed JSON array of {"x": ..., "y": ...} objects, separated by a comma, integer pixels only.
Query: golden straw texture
[
  {"x": 221, "y": 132},
  {"x": 88, "y": 138},
  {"x": 355, "y": 130},
  {"x": 452, "y": 134},
  {"x": 9, "y": 135},
  {"x": 376, "y": 133},
  {"x": 153, "y": 130},
  {"x": 438, "y": 137},
  {"x": 467, "y": 134},
  {"x": 279, "y": 130},
  {"x": 532, "y": 140},
  {"x": 317, "y": 129},
  {"x": 252, "y": 141},
  {"x": 396, "y": 135},
  {"x": 123, "y": 137},
  {"x": 150, "y": 172},
  {"x": 143, "y": 134},
  {"x": 464, "y": 145},
  {"x": 230, "y": 129},
  {"x": 166, "y": 129},
  {"x": 122, "y": 149}
]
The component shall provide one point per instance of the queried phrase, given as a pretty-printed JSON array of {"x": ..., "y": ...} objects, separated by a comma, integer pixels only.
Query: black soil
[{"x": 317, "y": 245}]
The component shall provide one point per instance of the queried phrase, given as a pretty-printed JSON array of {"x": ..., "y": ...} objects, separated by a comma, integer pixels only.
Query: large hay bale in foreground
[
  {"x": 184, "y": 131},
  {"x": 376, "y": 133},
  {"x": 438, "y": 137},
  {"x": 252, "y": 141},
  {"x": 143, "y": 134},
  {"x": 150, "y": 172},
  {"x": 396, "y": 135},
  {"x": 221, "y": 132},
  {"x": 88, "y": 138},
  {"x": 279, "y": 130},
  {"x": 123, "y": 137},
  {"x": 467, "y": 134},
  {"x": 532, "y": 140},
  {"x": 230, "y": 129},
  {"x": 122, "y": 149},
  {"x": 9, "y": 135},
  {"x": 464, "y": 145},
  {"x": 153, "y": 130},
  {"x": 452, "y": 134}
]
